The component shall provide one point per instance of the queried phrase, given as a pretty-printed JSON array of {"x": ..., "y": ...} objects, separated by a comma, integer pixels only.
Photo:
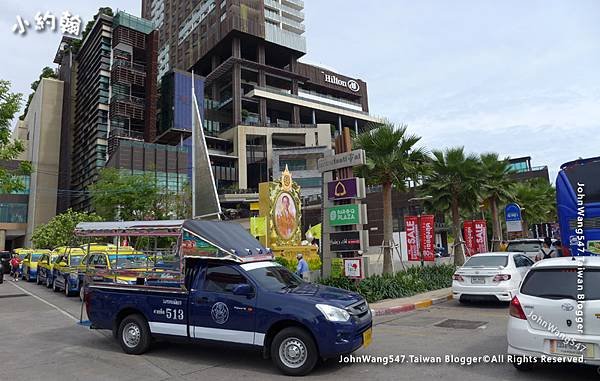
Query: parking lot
[{"x": 41, "y": 337}]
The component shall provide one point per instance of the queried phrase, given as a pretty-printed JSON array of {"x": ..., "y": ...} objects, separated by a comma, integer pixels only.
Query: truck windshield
[{"x": 275, "y": 278}]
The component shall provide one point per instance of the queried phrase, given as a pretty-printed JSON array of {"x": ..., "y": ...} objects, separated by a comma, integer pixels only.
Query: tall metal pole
[{"x": 193, "y": 98}]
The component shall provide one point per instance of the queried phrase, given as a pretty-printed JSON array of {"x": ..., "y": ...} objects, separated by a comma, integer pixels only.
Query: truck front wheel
[
  {"x": 294, "y": 351},
  {"x": 134, "y": 335}
]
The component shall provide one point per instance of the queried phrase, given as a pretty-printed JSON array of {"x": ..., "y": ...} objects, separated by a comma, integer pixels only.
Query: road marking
[
  {"x": 47, "y": 302},
  {"x": 423, "y": 304}
]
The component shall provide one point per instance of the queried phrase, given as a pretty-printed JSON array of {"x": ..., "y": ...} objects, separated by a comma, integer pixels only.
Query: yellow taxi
[
  {"x": 64, "y": 272},
  {"x": 122, "y": 266},
  {"x": 29, "y": 264},
  {"x": 44, "y": 268}
]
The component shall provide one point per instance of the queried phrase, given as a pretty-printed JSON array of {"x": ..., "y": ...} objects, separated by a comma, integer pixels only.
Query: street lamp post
[{"x": 420, "y": 201}]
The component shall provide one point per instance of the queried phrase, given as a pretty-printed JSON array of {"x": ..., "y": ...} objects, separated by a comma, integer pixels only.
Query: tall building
[
  {"x": 110, "y": 101},
  {"x": 23, "y": 211},
  {"x": 258, "y": 96}
]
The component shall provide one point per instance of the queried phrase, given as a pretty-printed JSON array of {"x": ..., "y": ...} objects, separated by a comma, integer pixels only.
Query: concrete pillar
[
  {"x": 295, "y": 114},
  {"x": 314, "y": 117},
  {"x": 339, "y": 124},
  {"x": 239, "y": 146},
  {"x": 356, "y": 126},
  {"x": 269, "y": 139},
  {"x": 2, "y": 239},
  {"x": 236, "y": 83}
]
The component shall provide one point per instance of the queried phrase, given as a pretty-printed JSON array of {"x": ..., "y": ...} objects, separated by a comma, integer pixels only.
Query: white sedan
[
  {"x": 556, "y": 313},
  {"x": 492, "y": 276}
]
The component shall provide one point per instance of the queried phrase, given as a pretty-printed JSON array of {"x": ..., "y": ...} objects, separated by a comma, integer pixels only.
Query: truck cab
[{"x": 260, "y": 304}]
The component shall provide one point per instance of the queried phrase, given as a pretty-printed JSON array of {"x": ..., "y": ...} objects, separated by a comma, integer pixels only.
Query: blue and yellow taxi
[
  {"x": 64, "y": 273},
  {"x": 30, "y": 263},
  {"x": 44, "y": 268}
]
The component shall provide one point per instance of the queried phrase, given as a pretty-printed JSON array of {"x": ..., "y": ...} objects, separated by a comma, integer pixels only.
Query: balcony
[
  {"x": 296, "y": 4},
  {"x": 128, "y": 73},
  {"x": 126, "y": 106}
]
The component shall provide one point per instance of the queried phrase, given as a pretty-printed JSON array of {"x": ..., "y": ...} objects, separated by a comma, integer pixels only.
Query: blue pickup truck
[{"x": 238, "y": 297}]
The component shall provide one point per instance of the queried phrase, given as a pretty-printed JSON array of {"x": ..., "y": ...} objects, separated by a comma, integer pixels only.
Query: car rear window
[
  {"x": 523, "y": 246},
  {"x": 487, "y": 261},
  {"x": 561, "y": 283}
]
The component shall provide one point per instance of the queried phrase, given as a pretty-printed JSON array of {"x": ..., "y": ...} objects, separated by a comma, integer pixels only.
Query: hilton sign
[{"x": 349, "y": 84}]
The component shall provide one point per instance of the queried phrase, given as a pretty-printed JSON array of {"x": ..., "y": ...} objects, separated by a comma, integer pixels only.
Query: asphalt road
[{"x": 40, "y": 339}]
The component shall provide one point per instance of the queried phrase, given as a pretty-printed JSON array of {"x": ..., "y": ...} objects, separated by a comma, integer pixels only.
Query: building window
[
  {"x": 25, "y": 181},
  {"x": 15, "y": 213},
  {"x": 293, "y": 164}
]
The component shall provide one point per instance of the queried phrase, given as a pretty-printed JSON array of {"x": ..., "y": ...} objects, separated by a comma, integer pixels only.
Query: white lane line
[{"x": 47, "y": 302}]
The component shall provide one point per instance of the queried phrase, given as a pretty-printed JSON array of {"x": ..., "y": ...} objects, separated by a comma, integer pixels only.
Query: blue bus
[{"x": 578, "y": 206}]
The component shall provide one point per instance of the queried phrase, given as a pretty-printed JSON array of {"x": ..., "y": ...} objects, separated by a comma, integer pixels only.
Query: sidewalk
[{"x": 424, "y": 300}]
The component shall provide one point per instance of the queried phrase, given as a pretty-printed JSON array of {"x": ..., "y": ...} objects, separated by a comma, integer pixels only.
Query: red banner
[
  {"x": 427, "y": 235},
  {"x": 468, "y": 236},
  {"x": 480, "y": 236},
  {"x": 412, "y": 245}
]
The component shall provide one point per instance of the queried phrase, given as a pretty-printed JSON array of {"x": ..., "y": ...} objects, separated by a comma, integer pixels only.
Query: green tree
[
  {"x": 537, "y": 198},
  {"x": 497, "y": 186},
  {"x": 453, "y": 182},
  {"x": 9, "y": 149},
  {"x": 392, "y": 160},
  {"x": 59, "y": 230},
  {"x": 120, "y": 196}
]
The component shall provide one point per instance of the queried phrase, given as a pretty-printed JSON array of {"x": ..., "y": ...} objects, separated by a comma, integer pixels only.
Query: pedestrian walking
[
  {"x": 558, "y": 248},
  {"x": 546, "y": 251},
  {"x": 302, "y": 269},
  {"x": 15, "y": 262}
]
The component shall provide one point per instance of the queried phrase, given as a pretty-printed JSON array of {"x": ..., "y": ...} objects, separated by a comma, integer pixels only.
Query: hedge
[{"x": 414, "y": 280}]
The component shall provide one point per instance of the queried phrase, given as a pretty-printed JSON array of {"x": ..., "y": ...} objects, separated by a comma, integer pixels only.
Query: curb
[{"x": 421, "y": 304}]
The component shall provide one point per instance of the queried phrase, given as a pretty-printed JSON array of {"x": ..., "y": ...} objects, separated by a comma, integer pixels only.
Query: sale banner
[
  {"x": 427, "y": 235},
  {"x": 468, "y": 236},
  {"x": 480, "y": 244},
  {"x": 412, "y": 235}
]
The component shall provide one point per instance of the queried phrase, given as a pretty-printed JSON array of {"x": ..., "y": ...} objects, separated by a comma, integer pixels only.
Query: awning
[
  {"x": 129, "y": 228},
  {"x": 230, "y": 238}
]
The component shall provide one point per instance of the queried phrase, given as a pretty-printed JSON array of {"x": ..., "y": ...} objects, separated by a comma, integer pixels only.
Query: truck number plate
[{"x": 367, "y": 337}]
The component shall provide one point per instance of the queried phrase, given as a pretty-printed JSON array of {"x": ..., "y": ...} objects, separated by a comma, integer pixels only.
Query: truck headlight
[{"x": 332, "y": 313}]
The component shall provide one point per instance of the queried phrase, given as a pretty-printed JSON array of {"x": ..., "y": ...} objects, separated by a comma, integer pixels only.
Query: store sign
[
  {"x": 353, "y": 268},
  {"x": 412, "y": 237},
  {"x": 353, "y": 188},
  {"x": 337, "y": 267},
  {"x": 514, "y": 220},
  {"x": 427, "y": 235},
  {"x": 480, "y": 244},
  {"x": 350, "y": 84},
  {"x": 342, "y": 160},
  {"x": 468, "y": 237},
  {"x": 348, "y": 240},
  {"x": 350, "y": 214}
]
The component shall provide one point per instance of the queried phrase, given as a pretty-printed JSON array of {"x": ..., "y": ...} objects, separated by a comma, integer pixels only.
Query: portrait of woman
[{"x": 285, "y": 215}]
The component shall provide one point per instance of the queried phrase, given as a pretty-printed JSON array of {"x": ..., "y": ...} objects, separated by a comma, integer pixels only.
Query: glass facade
[
  {"x": 13, "y": 213},
  {"x": 167, "y": 181},
  {"x": 520, "y": 166},
  {"x": 25, "y": 180}
]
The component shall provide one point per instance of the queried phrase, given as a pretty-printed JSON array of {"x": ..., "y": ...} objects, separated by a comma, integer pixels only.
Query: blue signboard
[{"x": 512, "y": 212}]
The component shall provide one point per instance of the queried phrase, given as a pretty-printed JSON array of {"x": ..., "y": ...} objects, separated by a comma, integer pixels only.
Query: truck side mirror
[{"x": 243, "y": 289}]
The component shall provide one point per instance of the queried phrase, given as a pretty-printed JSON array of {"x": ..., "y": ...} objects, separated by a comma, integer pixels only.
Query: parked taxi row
[{"x": 69, "y": 269}]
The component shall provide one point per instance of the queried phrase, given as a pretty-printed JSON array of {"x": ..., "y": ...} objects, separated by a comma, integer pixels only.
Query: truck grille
[{"x": 359, "y": 309}]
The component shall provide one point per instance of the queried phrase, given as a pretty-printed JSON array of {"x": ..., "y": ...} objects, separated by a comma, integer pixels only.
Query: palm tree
[
  {"x": 453, "y": 182},
  {"x": 497, "y": 186},
  {"x": 392, "y": 160},
  {"x": 537, "y": 198}
]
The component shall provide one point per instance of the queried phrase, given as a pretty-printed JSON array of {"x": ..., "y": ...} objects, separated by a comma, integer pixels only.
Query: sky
[{"x": 516, "y": 77}]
